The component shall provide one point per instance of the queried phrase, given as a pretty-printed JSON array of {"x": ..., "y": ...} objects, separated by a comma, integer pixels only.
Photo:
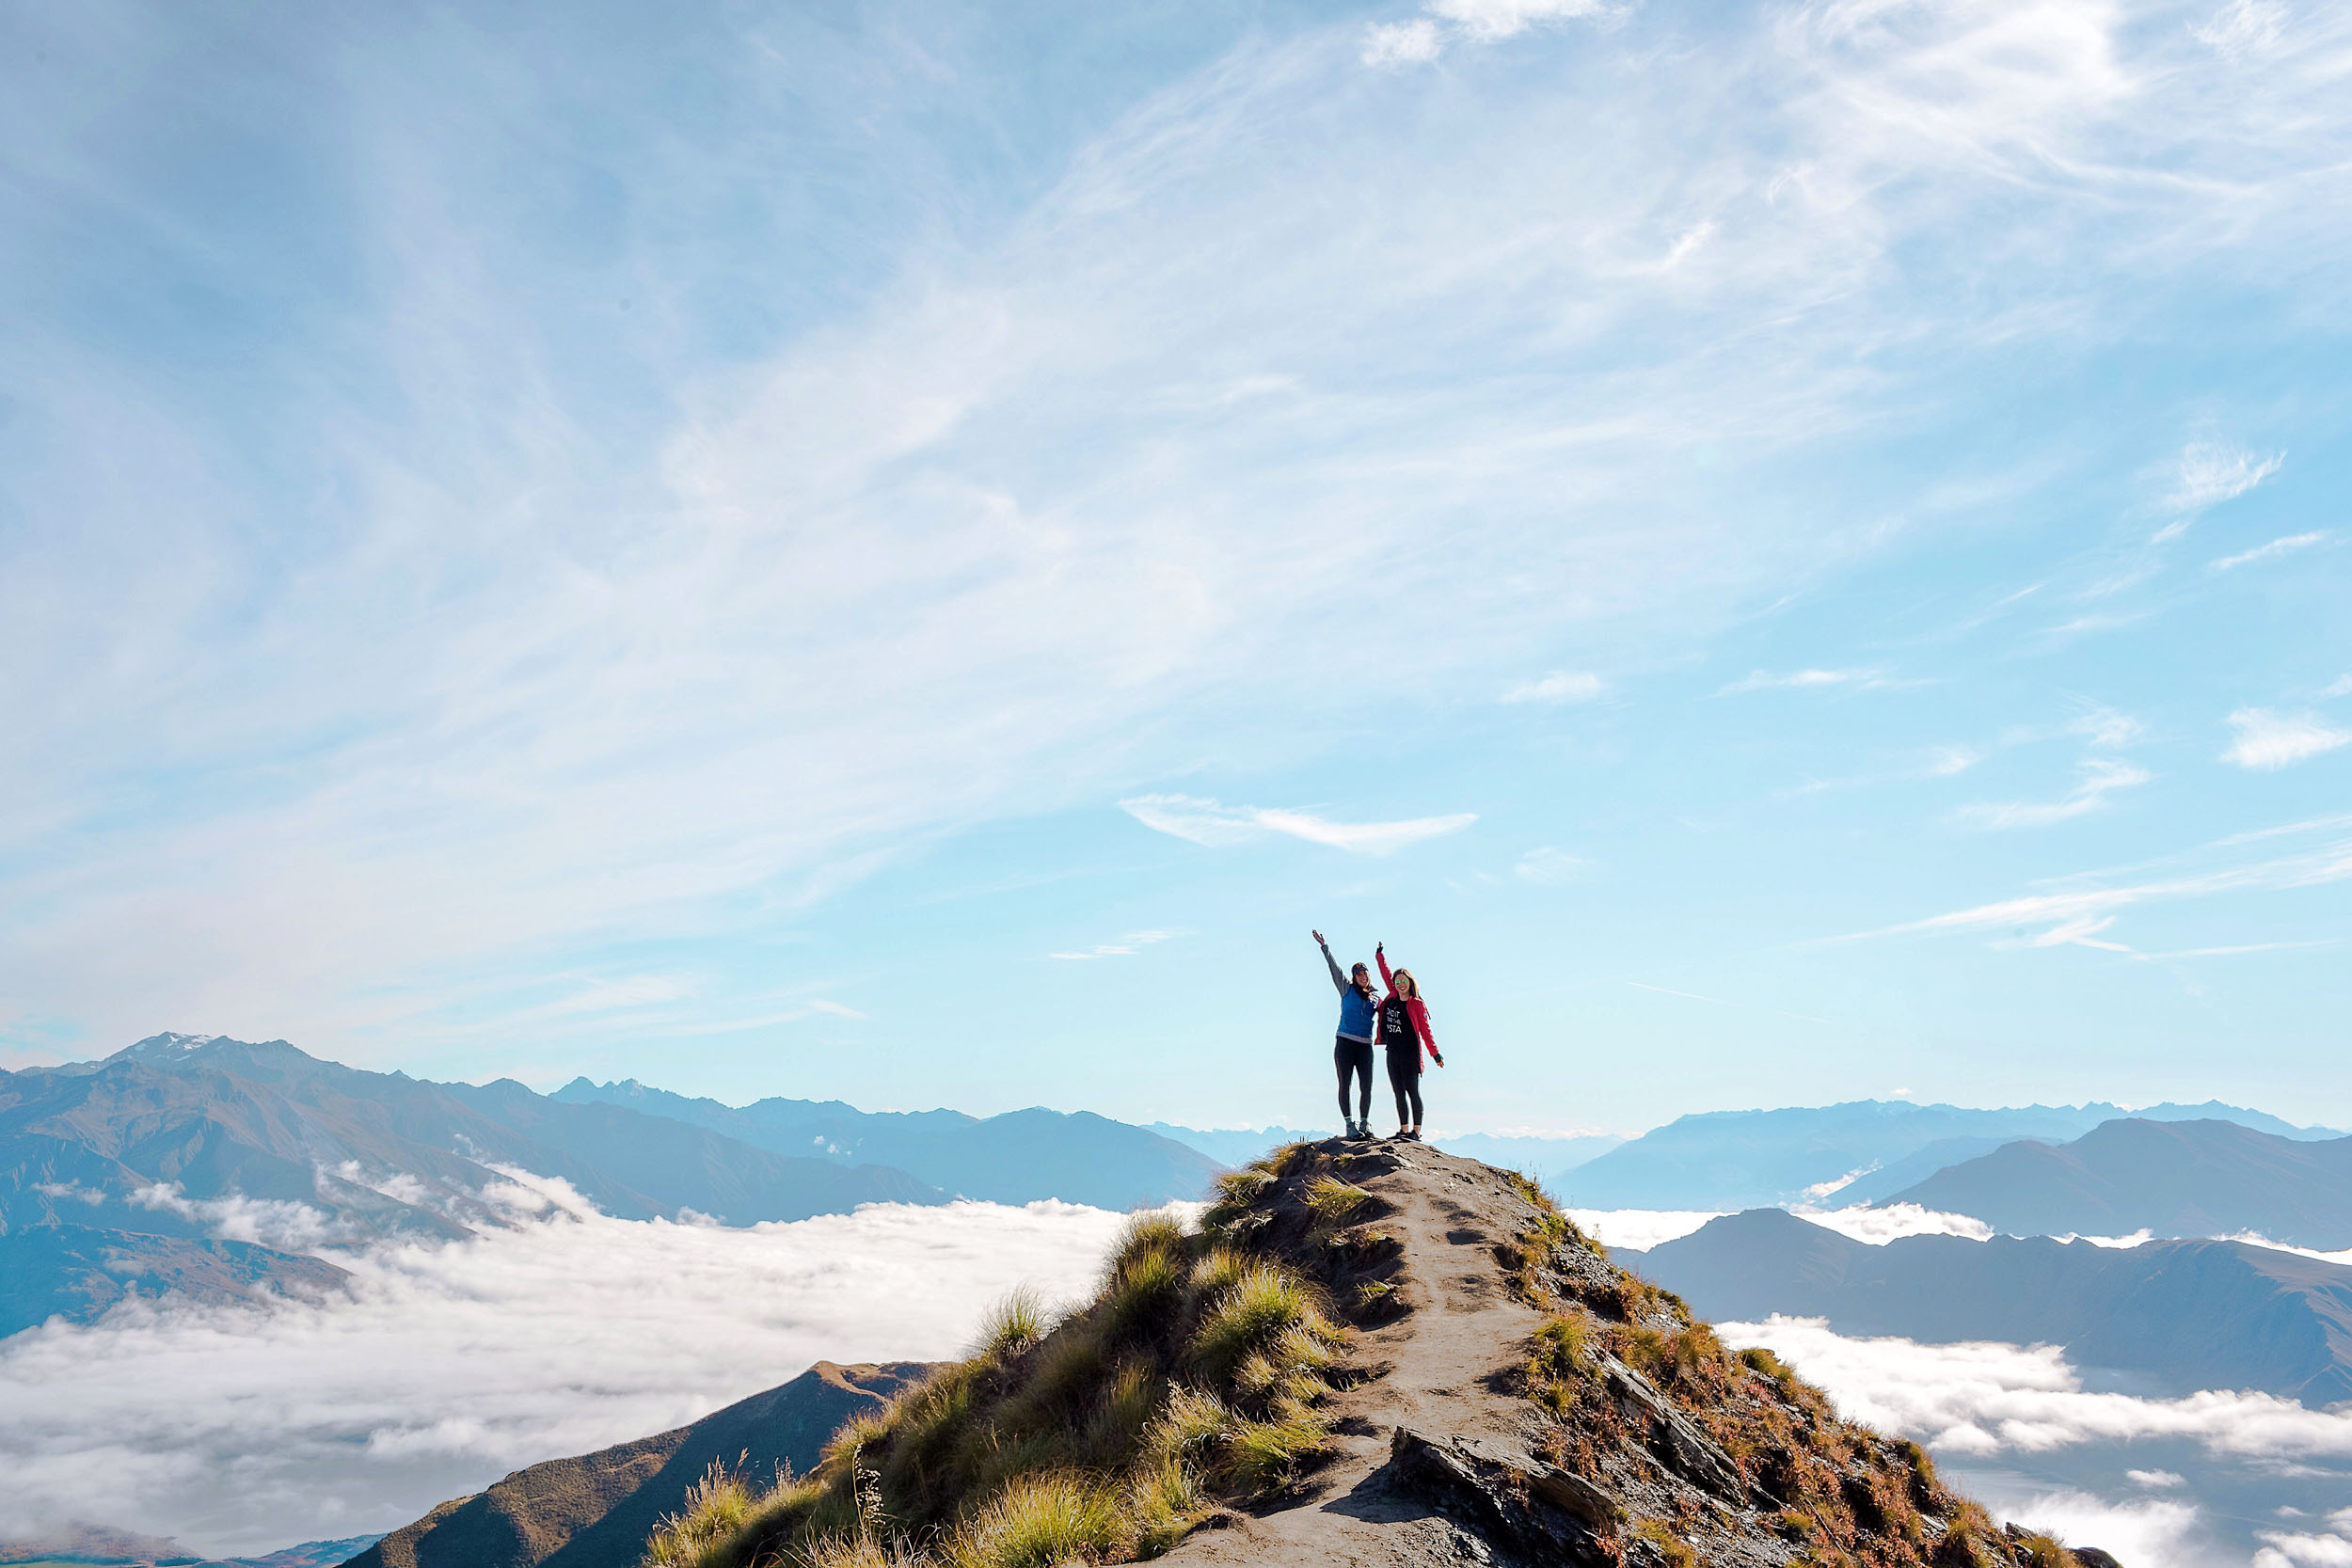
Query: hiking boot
[{"x": 1411, "y": 1135}]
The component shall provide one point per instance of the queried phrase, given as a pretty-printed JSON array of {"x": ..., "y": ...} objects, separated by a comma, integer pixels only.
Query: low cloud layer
[
  {"x": 1989, "y": 1398},
  {"x": 1643, "y": 1228},
  {"x": 2169, "y": 1481},
  {"x": 1638, "y": 1229},
  {"x": 248, "y": 1428},
  {"x": 1878, "y": 1226}
]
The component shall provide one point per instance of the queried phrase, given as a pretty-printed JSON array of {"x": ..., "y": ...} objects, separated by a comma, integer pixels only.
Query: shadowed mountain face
[
  {"x": 2179, "y": 1316},
  {"x": 1742, "y": 1159},
  {"x": 1018, "y": 1157},
  {"x": 76, "y": 1272},
  {"x": 248, "y": 1155},
  {"x": 2171, "y": 1178},
  {"x": 597, "y": 1511}
]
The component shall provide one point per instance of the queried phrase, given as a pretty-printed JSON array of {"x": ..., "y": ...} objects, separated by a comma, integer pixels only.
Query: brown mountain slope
[
  {"x": 595, "y": 1511},
  {"x": 1373, "y": 1355}
]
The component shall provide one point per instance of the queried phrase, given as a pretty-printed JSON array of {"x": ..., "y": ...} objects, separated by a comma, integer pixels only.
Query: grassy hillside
[{"x": 1336, "y": 1300}]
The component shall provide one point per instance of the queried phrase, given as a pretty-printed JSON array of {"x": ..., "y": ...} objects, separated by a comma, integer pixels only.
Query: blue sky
[{"x": 909, "y": 553}]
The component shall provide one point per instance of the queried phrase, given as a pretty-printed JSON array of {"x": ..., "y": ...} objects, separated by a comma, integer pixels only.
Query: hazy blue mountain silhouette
[
  {"x": 190, "y": 1137},
  {"x": 1740, "y": 1159},
  {"x": 1018, "y": 1157},
  {"x": 2169, "y": 1179},
  {"x": 2176, "y": 1316},
  {"x": 1546, "y": 1159},
  {"x": 77, "y": 1272}
]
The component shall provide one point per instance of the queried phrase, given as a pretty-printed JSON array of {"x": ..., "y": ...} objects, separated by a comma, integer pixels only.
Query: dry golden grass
[{"x": 1195, "y": 1376}]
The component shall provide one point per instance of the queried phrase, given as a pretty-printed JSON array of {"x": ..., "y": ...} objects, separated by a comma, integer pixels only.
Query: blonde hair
[{"x": 1407, "y": 985}]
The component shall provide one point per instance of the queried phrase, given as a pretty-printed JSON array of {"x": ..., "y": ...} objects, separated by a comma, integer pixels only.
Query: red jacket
[{"x": 1412, "y": 1005}]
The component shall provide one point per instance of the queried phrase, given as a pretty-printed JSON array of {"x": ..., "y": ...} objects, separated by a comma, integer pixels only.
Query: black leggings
[
  {"x": 1405, "y": 1078},
  {"x": 1354, "y": 1058}
]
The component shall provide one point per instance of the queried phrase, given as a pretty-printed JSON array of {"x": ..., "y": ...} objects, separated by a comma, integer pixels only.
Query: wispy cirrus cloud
[
  {"x": 2207, "y": 473},
  {"x": 1812, "y": 680},
  {"x": 1937, "y": 762},
  {"x": 2100, "y": 777},
  {"x": 2105, "y": 726},
  {"x": 1420, "y": 39},
  {"x": 2266, "y": 739},
  {"x": 1549, "y": 867},
  {"x": 1125, "y": 947},
  {"x": 2243, "y": 29},
  {"x": 2068, "y": 915},
  {"x": 1072, "y": 462},
  {"x": 2288, "y": 545},
  {"x": 1200, "y": 821},
  {"x": 1561, "y": 686}
]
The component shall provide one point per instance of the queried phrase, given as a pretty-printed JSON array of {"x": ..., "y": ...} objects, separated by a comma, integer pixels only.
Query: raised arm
[
  {"x": 1338, "y": 981},
  {"x": 1381, "y": 956}
]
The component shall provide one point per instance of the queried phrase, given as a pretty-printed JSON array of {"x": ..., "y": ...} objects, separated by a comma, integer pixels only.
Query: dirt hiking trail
[{"x": 1446, "y": 1366}]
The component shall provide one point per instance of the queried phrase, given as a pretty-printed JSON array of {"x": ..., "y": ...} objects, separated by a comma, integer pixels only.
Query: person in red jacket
[{"x": 1404, "y": 1026}]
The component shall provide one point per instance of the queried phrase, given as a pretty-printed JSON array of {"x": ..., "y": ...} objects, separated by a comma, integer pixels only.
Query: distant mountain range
[
  {"x": 218, "y": 1168},
  {"x": 2176, "y": 1316},
  {"x": 1857, "y": 1152},
  {"x": 598, "y": 1509},
  {"x": 1018, "y": 1157},
  {"x": 94, "y": 1544},
  {"x": 1546, "y": 1159},
  {"x": 2168, "y": 1179}
]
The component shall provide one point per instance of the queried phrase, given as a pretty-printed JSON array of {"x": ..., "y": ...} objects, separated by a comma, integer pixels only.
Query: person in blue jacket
[{"x": 1352, "y": 1052}]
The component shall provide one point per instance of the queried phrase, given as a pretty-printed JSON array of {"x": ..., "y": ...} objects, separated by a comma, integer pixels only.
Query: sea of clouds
[
  {"x": 245, "y": 1428},
  {"x": 1638, "y": 1230},
  {"x": 241, "y": 1428},
  {"x": 2011, "y": 1420}
]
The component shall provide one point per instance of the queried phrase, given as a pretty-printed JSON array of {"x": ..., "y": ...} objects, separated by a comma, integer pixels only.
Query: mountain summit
[{"x": 1367, "y": 1356}]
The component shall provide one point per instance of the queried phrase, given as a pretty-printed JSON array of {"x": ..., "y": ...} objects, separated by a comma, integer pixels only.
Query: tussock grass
[
  {"x": 1262, "y": 1305},
  {"x": 851, "y": 1551},
  {"x": 1331, "y": 1202},
  {"x": 1188, "y": 1425},
  {"x": 1037, "y": 1521},
  {"x": 716, "y": 1509},
  {"x": 1014, "y": 1324},
  {"x": 723, "y": 1514},
  {"x": 1265, "y": 1456},
  {"x": 1141, "y": 1293},
  {"x": 1217, "y": 1271},
  {"x": 1163, "y": 1500},
  {"x": 1195, "y": 1376}
]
